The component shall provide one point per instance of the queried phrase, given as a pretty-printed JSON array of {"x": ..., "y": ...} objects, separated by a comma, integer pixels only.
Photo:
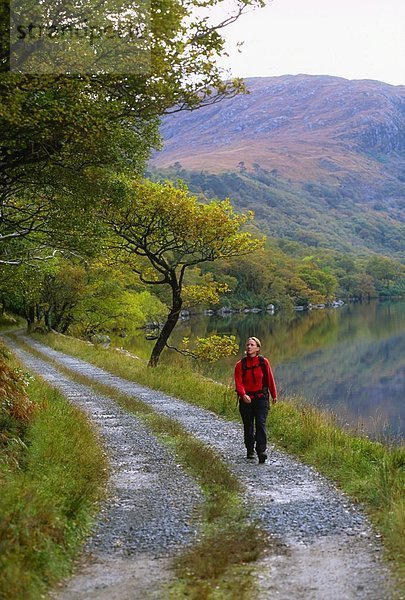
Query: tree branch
[{"x": 183, "y": 352}]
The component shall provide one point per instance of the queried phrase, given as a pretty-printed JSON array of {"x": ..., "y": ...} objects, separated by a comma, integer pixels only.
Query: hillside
[{"x": 321, "y": 158}]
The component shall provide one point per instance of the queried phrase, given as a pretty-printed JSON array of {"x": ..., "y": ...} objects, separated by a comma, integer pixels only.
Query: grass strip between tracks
[
  {"x": 221, "y": 563},
  {"x": 369, "y": 472}
]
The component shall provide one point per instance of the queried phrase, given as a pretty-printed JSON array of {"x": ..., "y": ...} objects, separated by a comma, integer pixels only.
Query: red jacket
[{"x": 253, "y": 379}]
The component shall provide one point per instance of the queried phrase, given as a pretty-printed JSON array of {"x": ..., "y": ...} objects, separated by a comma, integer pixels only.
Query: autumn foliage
[{"x": 15, "y": 404}]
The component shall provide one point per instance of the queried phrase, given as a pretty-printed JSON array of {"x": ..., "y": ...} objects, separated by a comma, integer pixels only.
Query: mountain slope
[
  {"x": 303, "y": 126},
  {"x": 309, "y": 154}
]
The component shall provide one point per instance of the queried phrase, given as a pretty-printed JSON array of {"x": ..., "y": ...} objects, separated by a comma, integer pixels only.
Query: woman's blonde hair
[{"x": 255, "y": 339}]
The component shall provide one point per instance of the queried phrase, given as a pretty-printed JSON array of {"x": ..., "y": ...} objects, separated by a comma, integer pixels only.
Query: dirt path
[
  {"x": 151, "y": 511},
  {"x": 326, "y": 547}
]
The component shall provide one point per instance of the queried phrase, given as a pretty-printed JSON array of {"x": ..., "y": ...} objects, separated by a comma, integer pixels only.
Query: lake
[{"x": 349, "y": 359}]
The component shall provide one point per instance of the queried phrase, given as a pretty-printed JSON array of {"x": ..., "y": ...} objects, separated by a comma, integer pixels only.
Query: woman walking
[{"x": 255, "y": 383}]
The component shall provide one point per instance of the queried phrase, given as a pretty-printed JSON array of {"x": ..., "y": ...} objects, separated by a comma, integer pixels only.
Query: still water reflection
[{"x": 350, "y": 359}]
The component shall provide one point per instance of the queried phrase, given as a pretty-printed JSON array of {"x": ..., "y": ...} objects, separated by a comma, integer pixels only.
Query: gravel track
[
  {"x": 325, "y": 547},
  {"x": 151, "y": 509}
]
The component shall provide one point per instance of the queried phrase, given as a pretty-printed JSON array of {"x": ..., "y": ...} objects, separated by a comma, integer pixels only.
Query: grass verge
[
  {"x": 52, "y": 474},
  {"x": 10, "y": 322},
  {"x": 369, "y": 472},
  {"x": 220, "y": 562}
]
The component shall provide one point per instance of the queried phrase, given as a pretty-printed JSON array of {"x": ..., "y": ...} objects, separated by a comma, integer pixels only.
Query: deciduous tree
[
  {"x": 58, "y": 127},
  {"x": 163, "y": 231}
]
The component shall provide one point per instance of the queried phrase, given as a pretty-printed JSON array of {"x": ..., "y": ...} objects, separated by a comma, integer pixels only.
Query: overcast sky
[{"x": 355, "y": 39}]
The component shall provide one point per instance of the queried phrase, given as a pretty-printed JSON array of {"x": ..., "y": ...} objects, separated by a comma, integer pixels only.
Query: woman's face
[{"x": 252, "y": 349}]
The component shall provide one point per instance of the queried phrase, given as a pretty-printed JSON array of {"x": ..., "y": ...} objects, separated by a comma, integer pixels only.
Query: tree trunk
[
  {"x": 48, "y": 319},
  {"x": 168, "y": 327},
  {"x": 30, "y": 316}
]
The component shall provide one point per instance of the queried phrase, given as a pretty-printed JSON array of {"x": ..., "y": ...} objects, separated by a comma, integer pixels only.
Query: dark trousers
[{"x": 254, "y": 417}]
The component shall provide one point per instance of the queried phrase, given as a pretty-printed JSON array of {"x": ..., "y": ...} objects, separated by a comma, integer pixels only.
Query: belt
[{"x": 257, "y": 393}]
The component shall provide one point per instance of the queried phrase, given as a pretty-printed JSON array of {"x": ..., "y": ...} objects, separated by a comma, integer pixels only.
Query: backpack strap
[{"x": 261, "y": 365}]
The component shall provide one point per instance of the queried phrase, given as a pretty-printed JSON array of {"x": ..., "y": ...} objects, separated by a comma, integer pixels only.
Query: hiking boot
[
  {"x": 262, "y": 458},
  {"x": 250, "y": 454}
]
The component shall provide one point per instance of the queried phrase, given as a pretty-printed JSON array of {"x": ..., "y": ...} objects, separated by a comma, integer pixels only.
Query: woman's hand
[
  {"x": 274, "y": 400},
  {"x": 246, "y": 399}
]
